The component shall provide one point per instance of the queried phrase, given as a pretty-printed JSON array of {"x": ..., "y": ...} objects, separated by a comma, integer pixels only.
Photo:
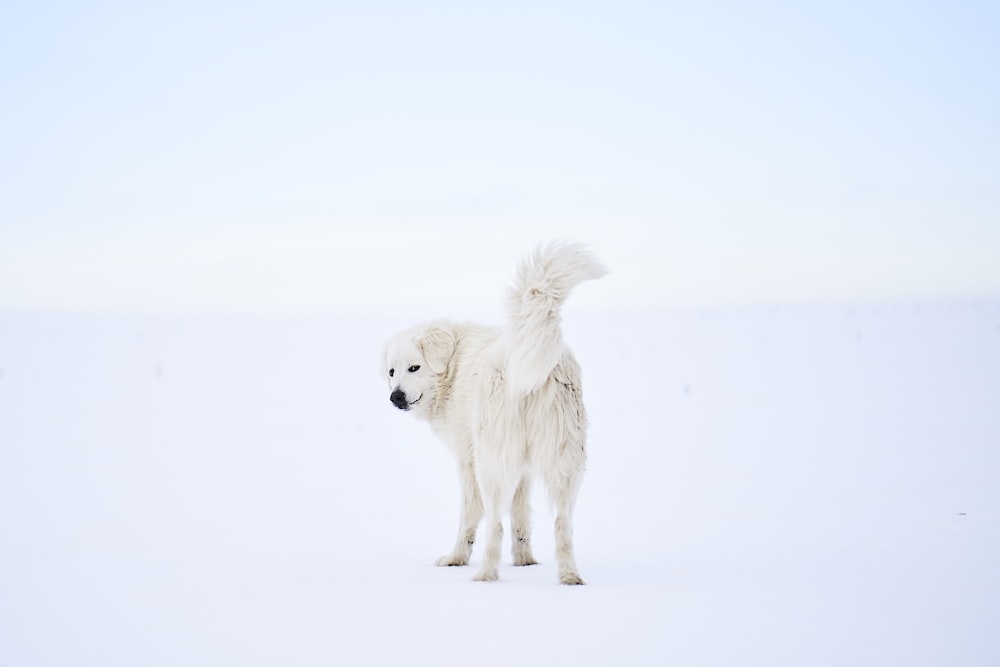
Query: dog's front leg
[{"x": 470, "y": 515}]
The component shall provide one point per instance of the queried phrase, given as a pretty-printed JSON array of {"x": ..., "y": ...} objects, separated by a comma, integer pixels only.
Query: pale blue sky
[{"x": 292, "y": 156}]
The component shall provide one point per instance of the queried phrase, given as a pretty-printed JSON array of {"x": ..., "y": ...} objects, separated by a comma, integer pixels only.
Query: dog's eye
[
  {"x": 413, "y": 369},
  {"x": 392, "y": 371}
]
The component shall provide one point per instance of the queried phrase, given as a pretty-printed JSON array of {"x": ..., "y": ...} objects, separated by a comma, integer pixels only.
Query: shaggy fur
[{"x": 508, "y": 403}]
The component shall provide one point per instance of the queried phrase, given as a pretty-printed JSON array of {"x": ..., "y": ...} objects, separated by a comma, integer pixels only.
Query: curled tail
[{"x": 534, "y": 336}]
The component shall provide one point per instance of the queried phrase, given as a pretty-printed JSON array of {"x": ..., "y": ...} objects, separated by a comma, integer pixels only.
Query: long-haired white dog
[{"x": 508, "y": 402}]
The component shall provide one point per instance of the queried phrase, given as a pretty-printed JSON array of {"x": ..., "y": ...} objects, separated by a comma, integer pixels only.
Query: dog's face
[{"x": 413, "y": 362}]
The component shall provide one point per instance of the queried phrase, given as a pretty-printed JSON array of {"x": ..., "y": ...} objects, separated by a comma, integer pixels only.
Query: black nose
[{"x": 398, "y": 398}]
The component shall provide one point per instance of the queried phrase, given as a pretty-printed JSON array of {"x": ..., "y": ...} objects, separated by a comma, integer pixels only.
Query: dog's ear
[{"x": 437, "y": 345}]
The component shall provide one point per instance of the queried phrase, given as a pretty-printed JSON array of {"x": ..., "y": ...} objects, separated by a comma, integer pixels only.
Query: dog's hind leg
[
  {"x": 563, "y": 490},
  {"x": 489, "y": 570},
  {"x": 520, "y": 524},
  {"x": 469, "y": 517},
  {"x": 496, "y": 498}
]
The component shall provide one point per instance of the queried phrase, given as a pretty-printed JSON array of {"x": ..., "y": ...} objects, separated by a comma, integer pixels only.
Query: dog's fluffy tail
[{"x": 534, "y": 336}]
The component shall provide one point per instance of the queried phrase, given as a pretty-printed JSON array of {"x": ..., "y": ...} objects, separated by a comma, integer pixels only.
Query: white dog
[{"x": 508, "y": 402}]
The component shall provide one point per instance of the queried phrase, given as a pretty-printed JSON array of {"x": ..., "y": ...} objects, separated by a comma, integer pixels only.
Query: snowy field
[{"x": 799, "y": 486}]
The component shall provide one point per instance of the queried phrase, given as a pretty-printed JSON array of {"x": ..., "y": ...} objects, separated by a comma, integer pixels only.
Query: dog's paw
[
  {"x": 571, "y": 579},
  {"x": 521, "y": 553},
  {"x": 451, "y": 560},
  {"x": 486, "y": 575}
]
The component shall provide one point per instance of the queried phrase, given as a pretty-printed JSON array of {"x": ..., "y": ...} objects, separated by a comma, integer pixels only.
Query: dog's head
[{"x": 414, "y": 360}]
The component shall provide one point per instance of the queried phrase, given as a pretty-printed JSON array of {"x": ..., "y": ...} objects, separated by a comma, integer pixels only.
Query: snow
[{"x": 810, "y": 485}]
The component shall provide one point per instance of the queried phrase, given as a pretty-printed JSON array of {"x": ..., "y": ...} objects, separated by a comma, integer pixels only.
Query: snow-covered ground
[{"x": 771, "y": 486}]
